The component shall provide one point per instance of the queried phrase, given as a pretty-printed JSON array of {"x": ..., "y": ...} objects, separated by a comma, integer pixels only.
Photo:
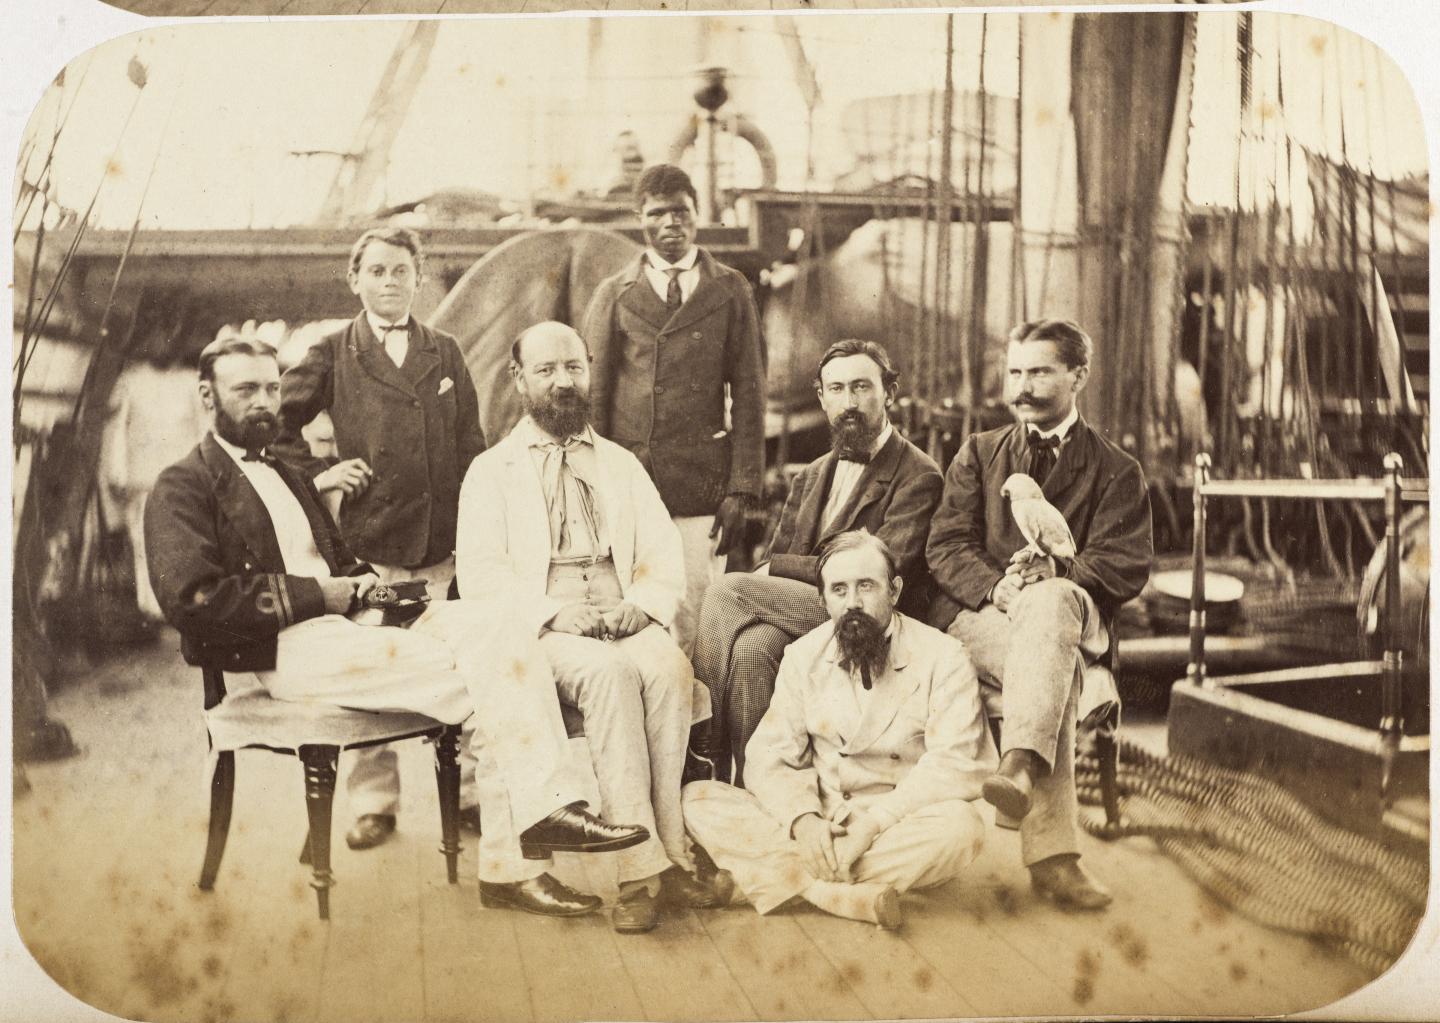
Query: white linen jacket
[{"x": 503, "y": 543}]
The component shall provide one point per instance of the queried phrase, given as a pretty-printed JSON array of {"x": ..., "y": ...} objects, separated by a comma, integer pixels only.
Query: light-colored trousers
[
  {"x": 439, "y": 667},
  {"x": 1036, "y": 655},
  {"x": 702, "y": 567},
  {"x": 921, "y": 850},
  {"x": 636, "y": 694},
  {"x": 373, "y": 783}
]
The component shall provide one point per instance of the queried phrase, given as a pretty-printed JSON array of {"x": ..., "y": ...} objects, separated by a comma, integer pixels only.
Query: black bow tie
[
  {"x": 258, "y": 456},
  {"x": 1036, "y": 441},
  {"x": 403, "y": 328}
]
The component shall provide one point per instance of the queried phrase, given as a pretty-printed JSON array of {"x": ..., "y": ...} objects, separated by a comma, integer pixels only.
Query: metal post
[
  {"x": 1390, "y": 711},
  {"x": 1195, "y": 670}
]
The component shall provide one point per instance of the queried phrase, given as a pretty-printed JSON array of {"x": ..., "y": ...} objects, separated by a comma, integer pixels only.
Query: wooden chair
[
  {"x": 1099, "y": 711},
  {"x": 315, "y": 734}
]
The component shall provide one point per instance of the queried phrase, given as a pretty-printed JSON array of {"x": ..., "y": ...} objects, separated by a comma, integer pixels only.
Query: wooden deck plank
[
  {"x": 375, "y": 906},
  {"x": 136, "y": 938},
  {"x": 882, "y": 970},
  {"x": 777, "y": 965},
  {"x": 680, "y": 975}
]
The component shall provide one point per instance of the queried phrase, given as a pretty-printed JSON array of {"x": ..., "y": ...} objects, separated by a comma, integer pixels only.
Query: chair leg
[
  {"x": 320, "y": 762},
  {"x": 222, "y": 799},
  {"x": 447, "y": 781},
  {"x": 1107, "y": 752}
]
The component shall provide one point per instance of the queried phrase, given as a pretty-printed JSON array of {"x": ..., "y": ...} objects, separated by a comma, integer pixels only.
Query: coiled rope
[{"x": 1259, "y": 850}]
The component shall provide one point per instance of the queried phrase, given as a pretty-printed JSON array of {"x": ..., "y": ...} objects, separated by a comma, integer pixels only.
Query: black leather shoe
[
  {"x": 1009, "y": 788},
  {"x": 369, "y": 830},
  {"x": 571, "y": 829},
  {"x": 679, "y": 888},
  {"x": 541, "y": 895},
  {"x": 636, "y": 913},
  {"x": 1064, "y": 882},
  {"x": 470, "y": 820}
]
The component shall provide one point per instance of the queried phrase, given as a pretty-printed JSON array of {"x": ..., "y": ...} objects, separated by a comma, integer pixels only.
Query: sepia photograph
[{"x": 777, "y": 515}]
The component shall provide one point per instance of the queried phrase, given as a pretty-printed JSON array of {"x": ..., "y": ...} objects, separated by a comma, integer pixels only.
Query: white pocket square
[{"x": 446, "y": 384}]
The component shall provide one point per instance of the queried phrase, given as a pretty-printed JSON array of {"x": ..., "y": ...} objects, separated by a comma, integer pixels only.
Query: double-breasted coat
[
  {"x": 416, "y": 425},
  {"x": 658, "y": 383}
]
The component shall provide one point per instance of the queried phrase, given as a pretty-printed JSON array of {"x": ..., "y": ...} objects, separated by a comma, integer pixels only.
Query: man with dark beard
[
  {"x": 249, "y": 567},
  {"x": 873, "y": 479},
  {"x": 861, "y": 778},
  {"x": 564, "y": 539}
]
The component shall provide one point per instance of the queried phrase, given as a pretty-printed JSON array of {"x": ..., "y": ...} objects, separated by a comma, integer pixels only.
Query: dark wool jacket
[
  {"x": 418, "y": 433},
  {"x": 894, "y": 498},
  {"x": 658, "y": 383},
  {"x": 1097, "y": 487},
  {"x": 216, "y": 566}
]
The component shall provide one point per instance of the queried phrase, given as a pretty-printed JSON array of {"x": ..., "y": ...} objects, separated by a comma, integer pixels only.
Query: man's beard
[
  {"x": 561, "y": 414},
  {"x": 852, "y": 435},
  {"x": 255, "y": 432},
  {"x": 863, "y": 644}
]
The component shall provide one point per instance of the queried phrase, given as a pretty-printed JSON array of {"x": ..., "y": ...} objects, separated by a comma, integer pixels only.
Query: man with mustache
[
  {"x": 1033, "y": 625},
  {"x": 407, "y": 424},
  {"x": 564, "y": 538},
  {"x": 861, "y": 778},
  {"x": 675, "y": 334},
  {"x": 249, "y": 567},
  {"x": 872, "y": 478}
]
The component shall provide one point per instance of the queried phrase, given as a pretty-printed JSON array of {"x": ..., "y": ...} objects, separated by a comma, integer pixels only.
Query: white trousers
[
  {"x": 702, "y": 567},
  {"x": 636, "y": 695},
  {"x": 921, "y": 850},
  {"x": 373, "y": 783},
  {"x": 439, "y": 667}
]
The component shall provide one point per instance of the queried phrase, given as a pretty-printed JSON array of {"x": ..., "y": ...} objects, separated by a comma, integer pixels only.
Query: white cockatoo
[{"x": 1040, "y": 522}]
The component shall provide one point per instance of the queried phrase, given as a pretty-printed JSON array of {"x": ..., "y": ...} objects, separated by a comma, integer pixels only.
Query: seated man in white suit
[
  {"x": 861, "y": 777},
  {"x": 565, "y": 539}
]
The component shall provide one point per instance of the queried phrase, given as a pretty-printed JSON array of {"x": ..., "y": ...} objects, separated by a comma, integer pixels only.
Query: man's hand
[
  {"x": 624, "y": 619},
  {"x": 816, "y": 838},
  {"x": 1030, "y": 566},
  {"x": 730, "y": 523},
  {"x": 350, "y": 477},
  {"x": 339, "y": 594},
  {"x": 860, "y": 834},
  {"x": 579, "y": 620},
  {"x": 1006, "y": 590}
]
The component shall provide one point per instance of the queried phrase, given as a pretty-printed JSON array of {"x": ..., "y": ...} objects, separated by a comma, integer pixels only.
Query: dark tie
[
  {"x": 1043, "y": 453},
  {"x": 672, "y": 292},
  {"x": 252, "y": 455},
  {"x": 395, "y": 338}
]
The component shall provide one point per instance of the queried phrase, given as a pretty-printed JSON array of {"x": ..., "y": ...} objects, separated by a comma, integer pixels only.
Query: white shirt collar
[
  {"x": 685, "y": 262},
  {"x": 234, "y": 452},
  {"x": 534, "y": 436},
  {"x": 378, "y": 325},
  {"x": 1063, "y": 430}
]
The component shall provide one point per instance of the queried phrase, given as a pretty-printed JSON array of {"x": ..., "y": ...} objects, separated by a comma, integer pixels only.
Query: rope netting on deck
[{"x": 1257, "y": 849}]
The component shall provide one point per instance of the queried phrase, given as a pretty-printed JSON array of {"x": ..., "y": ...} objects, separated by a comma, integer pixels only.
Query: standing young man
[
  {"x": 673, "y": 335},
  {"x": 407, "y": 424}
]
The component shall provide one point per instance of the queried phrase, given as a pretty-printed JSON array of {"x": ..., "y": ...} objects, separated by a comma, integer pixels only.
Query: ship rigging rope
[{"x": 1258, "y": 849}]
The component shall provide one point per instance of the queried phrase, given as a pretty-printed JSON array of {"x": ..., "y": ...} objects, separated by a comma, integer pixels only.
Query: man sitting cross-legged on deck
[
  {"x": 861, "y": 778},
  {"x": 249, "y": 567}
]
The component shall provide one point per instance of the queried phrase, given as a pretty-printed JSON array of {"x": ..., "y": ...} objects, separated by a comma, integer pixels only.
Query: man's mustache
[{"x": 1024, "y": 399}]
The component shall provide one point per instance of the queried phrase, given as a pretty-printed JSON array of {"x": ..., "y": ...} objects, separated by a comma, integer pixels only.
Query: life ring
[{"x": 740, "y": 126}]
